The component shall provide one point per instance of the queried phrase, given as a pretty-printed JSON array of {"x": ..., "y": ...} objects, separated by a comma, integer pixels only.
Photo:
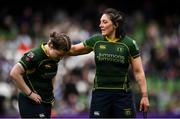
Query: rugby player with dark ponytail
[{"x": 114, "y": 53}]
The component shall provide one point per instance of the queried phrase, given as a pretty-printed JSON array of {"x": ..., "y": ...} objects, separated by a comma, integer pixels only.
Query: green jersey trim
[
  {"x": 84, "y": 43},
  {"x": 43, "y": 48},
  {"x": 23, "y": 64},
  {"x": 124, "y": 85}
]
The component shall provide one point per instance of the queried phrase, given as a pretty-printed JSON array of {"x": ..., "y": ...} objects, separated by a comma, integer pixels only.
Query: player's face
[
  {"x": 56, "y": 54},
  {"x": 106, "y": 25}
]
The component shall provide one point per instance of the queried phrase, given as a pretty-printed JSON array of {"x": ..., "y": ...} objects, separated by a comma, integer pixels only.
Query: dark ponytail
[{"x": 118, "y": 19}]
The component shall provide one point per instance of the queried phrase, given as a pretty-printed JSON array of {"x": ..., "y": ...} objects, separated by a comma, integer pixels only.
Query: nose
[{"x": 100, "y": 25}]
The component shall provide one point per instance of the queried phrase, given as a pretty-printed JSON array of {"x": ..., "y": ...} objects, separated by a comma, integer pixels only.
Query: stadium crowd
[{"x": 159, "y": 42}]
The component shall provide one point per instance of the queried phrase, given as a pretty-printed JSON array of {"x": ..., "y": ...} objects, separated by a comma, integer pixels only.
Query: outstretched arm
[
  {"x": 78, "y": 49},
  {"x": 140, "y": 78}
]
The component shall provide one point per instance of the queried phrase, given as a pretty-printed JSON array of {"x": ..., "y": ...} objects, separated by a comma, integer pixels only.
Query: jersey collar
[
  {"x": 110, "y": 40},
  {"x": 44, "y": 49}
]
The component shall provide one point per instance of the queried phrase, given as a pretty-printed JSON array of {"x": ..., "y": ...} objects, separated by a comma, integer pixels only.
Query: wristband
[
  {"x": 30, "y": 94},
  {"x": 144, "y": 95}
]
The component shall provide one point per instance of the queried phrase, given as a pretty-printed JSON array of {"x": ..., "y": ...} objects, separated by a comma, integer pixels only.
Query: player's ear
[{"x": 115, "y": 26}]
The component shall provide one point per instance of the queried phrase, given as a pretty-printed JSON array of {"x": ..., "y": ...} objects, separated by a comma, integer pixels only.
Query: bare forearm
[
  {"x": 22, "y": 85},
  {"x": 78, "y": 49},
  {"x": 142, "y": 84},
  {"x": 140, "y": 78},
  {"x": 139, "y": 75},
  {"x": 144, "y": 103},
  {"x": 16, "y": 75}
]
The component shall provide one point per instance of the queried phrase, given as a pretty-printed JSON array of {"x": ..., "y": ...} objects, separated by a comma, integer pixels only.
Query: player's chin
[{"x": 103, "y": 33}]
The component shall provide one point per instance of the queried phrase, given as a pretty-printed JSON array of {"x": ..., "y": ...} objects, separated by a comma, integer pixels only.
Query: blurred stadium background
[{"x": 154, "y": 24}]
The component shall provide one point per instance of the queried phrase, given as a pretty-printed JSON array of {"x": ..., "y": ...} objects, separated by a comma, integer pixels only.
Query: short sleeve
[
  {"x": 134, "y": 49},
  {"x": 28, "y": 60},
  {"x": 90, "y": 42}
]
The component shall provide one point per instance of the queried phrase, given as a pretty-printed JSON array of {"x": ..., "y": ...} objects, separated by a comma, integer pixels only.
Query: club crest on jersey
[
  {"x": 29, "y": 56},
  {"x": 119, "y": 49},
  {"x": 102, "y": 47}
]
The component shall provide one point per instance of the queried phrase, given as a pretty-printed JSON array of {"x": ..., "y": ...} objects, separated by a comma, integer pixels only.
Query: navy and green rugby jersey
[
  {"x": 112, "y": 60},
  {"x": 39, "y": 72}
]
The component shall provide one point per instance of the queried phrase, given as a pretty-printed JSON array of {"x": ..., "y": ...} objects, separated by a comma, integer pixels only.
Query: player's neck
[{"x": 112, "y": 38}]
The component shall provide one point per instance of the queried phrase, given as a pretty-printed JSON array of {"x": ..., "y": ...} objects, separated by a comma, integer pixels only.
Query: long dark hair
[{"x": 118, "y": 19}]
